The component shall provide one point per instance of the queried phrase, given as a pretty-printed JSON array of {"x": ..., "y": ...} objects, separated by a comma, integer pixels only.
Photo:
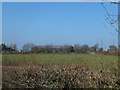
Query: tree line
[{"x": 77, "y": 48}]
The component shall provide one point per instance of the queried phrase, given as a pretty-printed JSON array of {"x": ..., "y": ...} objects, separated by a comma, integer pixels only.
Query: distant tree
[
  {"x": 48, "y": 48},
  {"x": 6, "y": 49},
  {"x": 71, "y": 48},
  {"x": 94, "y": 48},
  {"x": 13, "y": 46},
  {"x": 35, "y": 49},
  {"x": 119, "y": 46},
  {"x": 57, "y": 49},
  {"x": 27, "y": 47},
  {"x": 3, "y": 47},
  {"x": 0, "y": 48},
  {"x": 67, "y": 48},
  {"x": 112, "y": 47},
  {"x": 100, "y": 49},
  {"x": 84, "y": 48},
  {"x": 77, "y": 48}
]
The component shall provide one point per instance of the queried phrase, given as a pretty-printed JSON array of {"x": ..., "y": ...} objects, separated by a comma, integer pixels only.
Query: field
[{"x": 60, "y": 71}]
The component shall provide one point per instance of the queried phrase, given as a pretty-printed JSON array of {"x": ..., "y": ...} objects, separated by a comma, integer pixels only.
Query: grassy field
[
  {"x": 95, "y": 62},
  {"x": 102, "y": 68}
]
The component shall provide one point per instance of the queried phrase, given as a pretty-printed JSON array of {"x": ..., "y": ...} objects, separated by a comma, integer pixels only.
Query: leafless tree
[
  {"x": 112, "y": 19},
  {"x": 27, "y": 47}
]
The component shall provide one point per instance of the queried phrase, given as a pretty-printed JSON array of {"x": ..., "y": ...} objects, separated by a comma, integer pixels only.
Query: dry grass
[{"x": 60, "y": 71}]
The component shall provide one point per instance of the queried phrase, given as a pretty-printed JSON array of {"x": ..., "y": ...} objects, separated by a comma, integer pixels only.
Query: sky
[
  {"x": 57, "y": 23},
  {"x": 0, "y": 22}
]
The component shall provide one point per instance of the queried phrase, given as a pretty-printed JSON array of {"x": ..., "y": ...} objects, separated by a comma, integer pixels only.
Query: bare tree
[
  {"x": 84, "y": 48},
  {"x": 77, "y": 48},
  {"x": 27, "y": 47},
  {"x": 13, "y": 46},
  {"x": 94, "y": 48},
  {"x": 112, "y": 19},
  {"x": 112, "y": 47}
]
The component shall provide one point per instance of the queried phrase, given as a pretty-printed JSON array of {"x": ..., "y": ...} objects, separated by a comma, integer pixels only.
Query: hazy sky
[{"x": 57, "y": 23}]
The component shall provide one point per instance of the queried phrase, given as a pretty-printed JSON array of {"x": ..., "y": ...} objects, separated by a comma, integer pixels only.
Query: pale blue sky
[
  {"x": 0, "y": 22},
  {"x": 57, "y": 23}
]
